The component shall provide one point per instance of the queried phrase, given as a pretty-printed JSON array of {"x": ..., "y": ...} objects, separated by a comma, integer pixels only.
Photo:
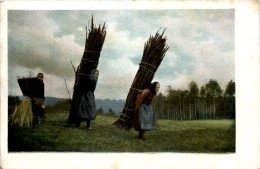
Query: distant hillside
[
  {"x": 49, "y": 101},
  {"x": 105, "y": 104},
  {"x": 115, "y": 105}
]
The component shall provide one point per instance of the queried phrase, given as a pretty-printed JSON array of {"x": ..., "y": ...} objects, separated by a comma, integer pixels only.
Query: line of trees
[
  {"x": 110, "y": 112},
  {"x": 208, "y": 102}
]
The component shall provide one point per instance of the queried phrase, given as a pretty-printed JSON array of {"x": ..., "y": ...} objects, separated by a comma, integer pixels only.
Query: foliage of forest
[{"x": 208, "y": 102}]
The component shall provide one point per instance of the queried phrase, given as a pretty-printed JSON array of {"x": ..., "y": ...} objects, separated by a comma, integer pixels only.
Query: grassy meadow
[{"x": 206, "y": 136}]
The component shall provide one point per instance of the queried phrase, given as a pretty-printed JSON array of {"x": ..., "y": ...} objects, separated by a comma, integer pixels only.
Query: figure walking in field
[
  {"x": 32, "y": 107},
  {"x": 85, "y": 107},
  {"x": 144, "y": 116},
  {"x": 37, "y": 99}
]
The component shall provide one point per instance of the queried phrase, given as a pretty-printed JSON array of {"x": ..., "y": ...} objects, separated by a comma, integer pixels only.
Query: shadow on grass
[{"x": 29, "y": 140}]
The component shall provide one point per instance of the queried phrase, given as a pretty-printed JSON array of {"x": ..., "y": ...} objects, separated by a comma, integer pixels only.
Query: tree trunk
[
  {"x": 168, "y": 112},
  {"x": 195, "y": 113},
  {"x": 214, "y": 109},
  {"x": 161, "y": 112},
  {"x": 179, "y": 113},
  {"x": 190, "y": 112},
  {"x": 203, "y": 109}
]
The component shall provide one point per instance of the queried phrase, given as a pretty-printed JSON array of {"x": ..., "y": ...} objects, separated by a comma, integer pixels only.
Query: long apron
[{"x": 147, "y": 117}]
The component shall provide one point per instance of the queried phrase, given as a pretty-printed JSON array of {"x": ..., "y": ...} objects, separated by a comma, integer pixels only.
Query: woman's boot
[
  {"x": 88, "y": 125},
  {"x": 140, "y": 135},
  {"x": 143, "y": 136},
  {"x": 78, "y": 124}
]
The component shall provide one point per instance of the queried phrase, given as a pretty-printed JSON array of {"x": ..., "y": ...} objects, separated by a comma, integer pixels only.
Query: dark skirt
[
  {"x": 37, "y": 107},
  {"x": 86, "y": 107}
]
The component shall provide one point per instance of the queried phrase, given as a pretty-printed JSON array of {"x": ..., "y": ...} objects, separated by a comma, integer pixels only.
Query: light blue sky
[{"x": 201, "y": 47}]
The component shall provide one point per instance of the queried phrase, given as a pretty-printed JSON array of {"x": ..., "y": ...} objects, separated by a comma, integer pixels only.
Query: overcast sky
[{"x": 201, "y": 47}]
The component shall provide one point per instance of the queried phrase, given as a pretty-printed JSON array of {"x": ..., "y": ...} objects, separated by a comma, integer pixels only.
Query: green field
[{"x": 205, "y": 136}]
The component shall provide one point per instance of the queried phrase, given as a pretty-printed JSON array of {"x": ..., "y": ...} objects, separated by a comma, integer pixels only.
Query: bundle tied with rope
[
  {"x": 154, "y": 51},
  {"x": 22, "y": 114},
  {"x": 95, "y": 38}
]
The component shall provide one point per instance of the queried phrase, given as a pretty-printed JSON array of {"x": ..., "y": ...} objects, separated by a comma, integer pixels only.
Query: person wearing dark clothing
[
  {"x": 85, "y": 106},
  {"x": 37, "y": 99},
  {"x": 144, "y": 119}
]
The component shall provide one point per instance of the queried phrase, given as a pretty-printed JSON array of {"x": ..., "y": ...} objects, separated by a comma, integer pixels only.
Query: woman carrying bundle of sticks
[
  {"x": 85, "y": 108},
  {"x": 144, "y": 119},
  {"x": 37, "y": 99}
]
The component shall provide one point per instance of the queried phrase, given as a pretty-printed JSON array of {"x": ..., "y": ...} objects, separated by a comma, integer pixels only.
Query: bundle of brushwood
[
  {"x": 22, "y": 114},
  {"x": 154, "y": 51},
  {"x": 95, "y": 38},
  {"x": 26, "y": 84}
]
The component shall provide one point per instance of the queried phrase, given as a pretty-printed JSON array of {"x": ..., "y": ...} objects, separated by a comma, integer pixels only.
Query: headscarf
[
  {"x": 93, "y": 79},
  {"x": 152, "y": 87}
]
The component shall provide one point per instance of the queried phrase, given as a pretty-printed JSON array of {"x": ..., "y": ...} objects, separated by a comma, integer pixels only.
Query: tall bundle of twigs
[
  {"x": 154, "y": 52},
  {"x": 95, "y": 38}
]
